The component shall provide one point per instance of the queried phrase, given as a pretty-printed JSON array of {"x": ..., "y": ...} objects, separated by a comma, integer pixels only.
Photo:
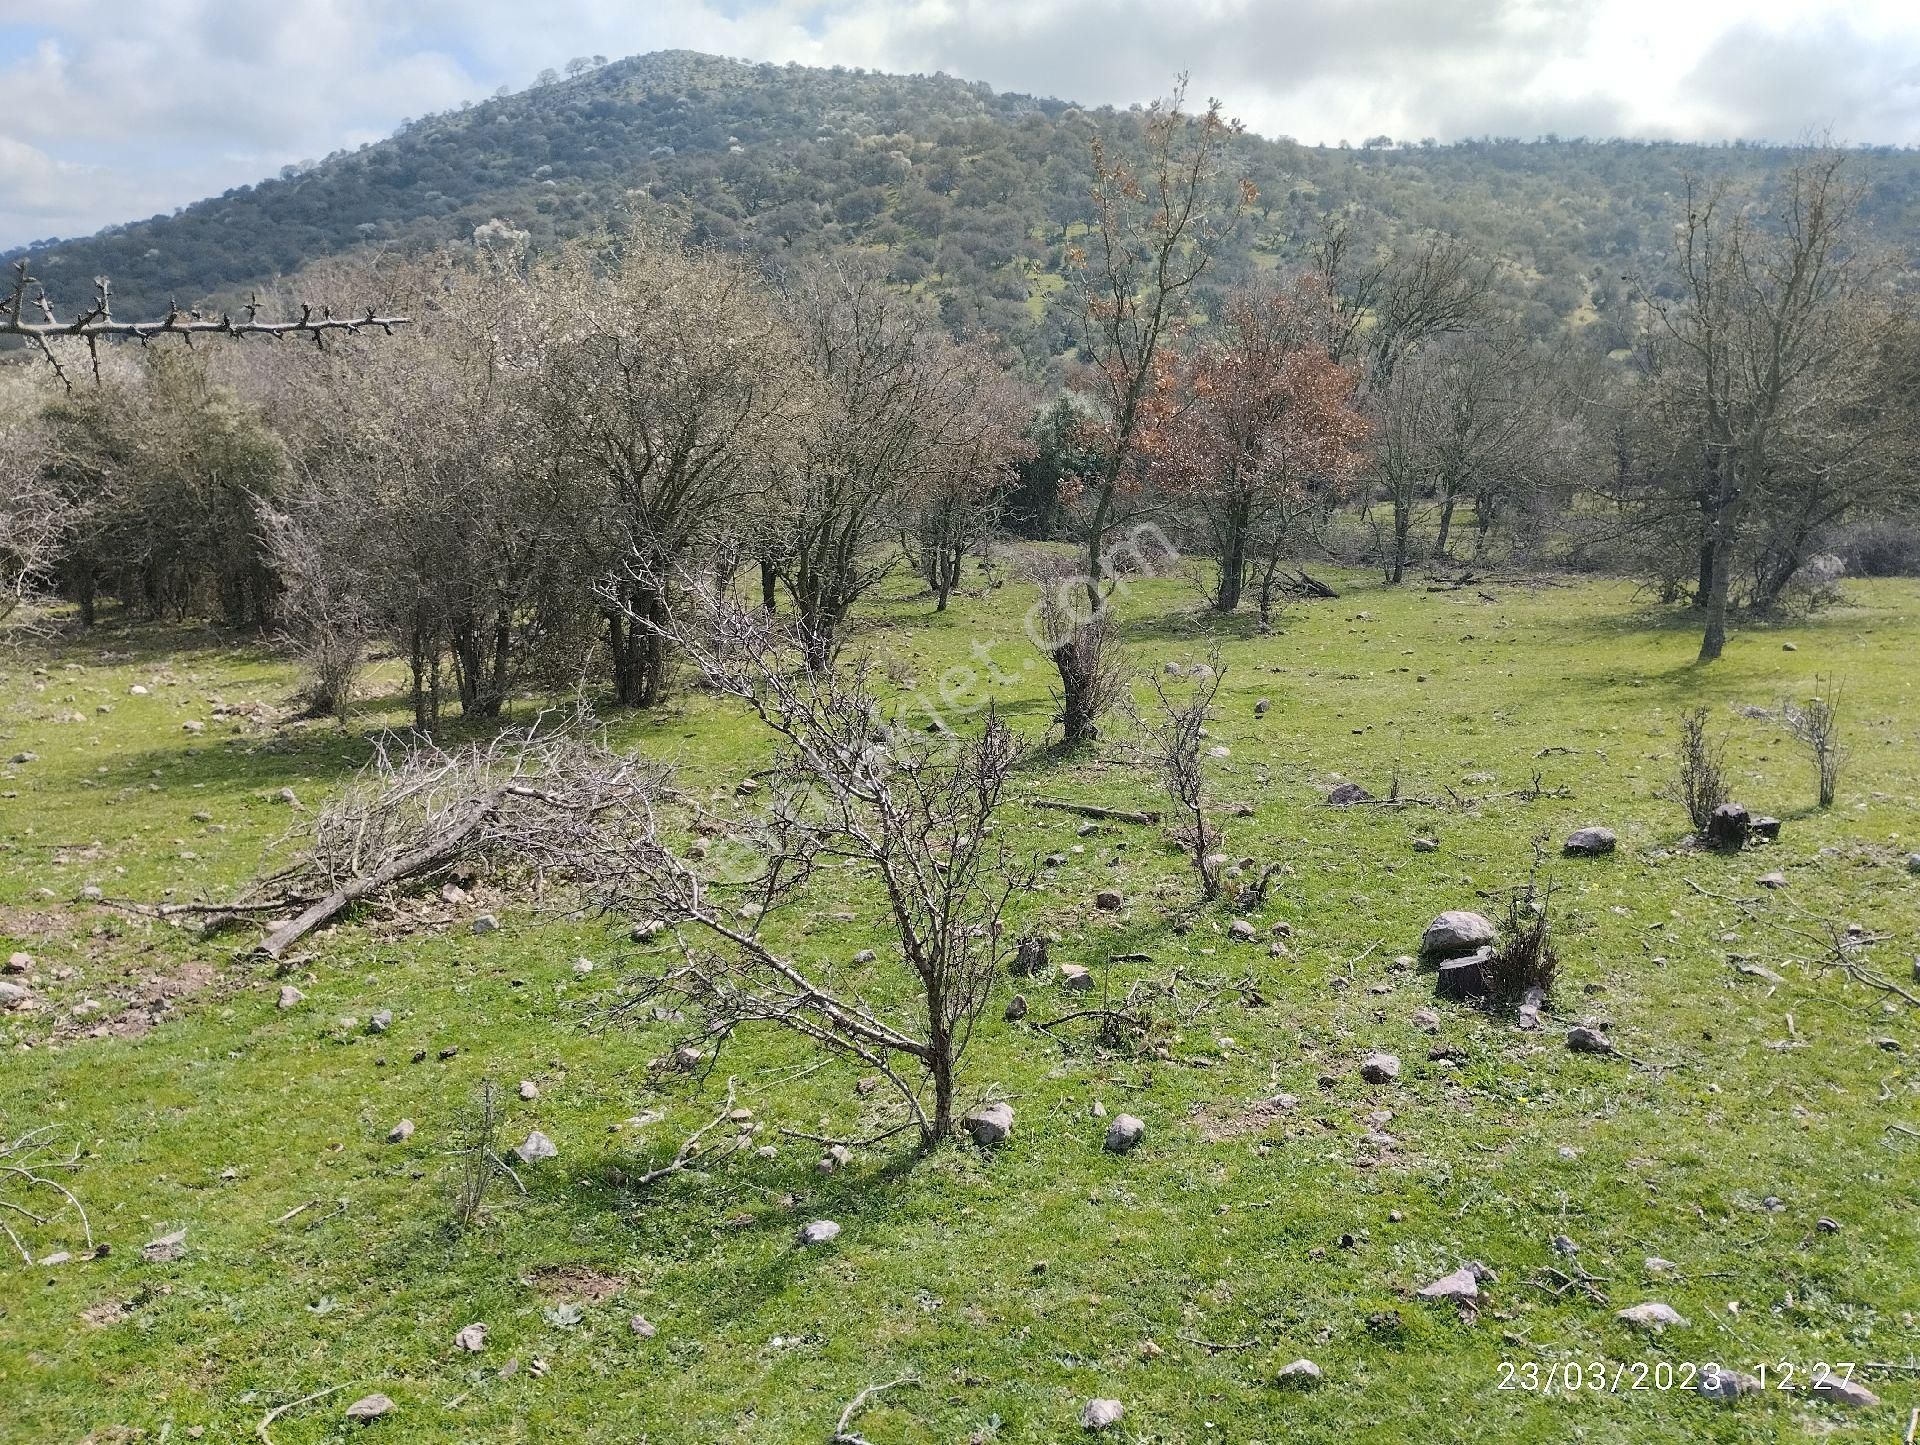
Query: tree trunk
[
  {"x": 1402, "y": 531},
  {"x": 1719, "y": 569},
  {"x": 1446, "y": 522},
  {"x": 768, "y": 598},
  {"x": 1233, "y": 565}
]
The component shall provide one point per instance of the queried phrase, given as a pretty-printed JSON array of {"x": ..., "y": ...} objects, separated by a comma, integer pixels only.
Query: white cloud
[{"x": 115, "y": 110}]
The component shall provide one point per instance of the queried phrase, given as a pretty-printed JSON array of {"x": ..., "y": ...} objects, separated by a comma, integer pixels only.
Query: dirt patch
[
  {"x": 107, "y": 1312},
  {"x": 1219, "y": 1124},
  {"x": 575, "y": 1281}
]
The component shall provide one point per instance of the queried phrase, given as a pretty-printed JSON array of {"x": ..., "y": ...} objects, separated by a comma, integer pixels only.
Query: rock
[
  {"x": 534, "y": 1148},
  {"x": 582, "y": 967},
  {"x": 1717, "y": 1382},
  {"x": 747, "y": 787},
  {"x": 1850, "y": 1393},
  {"x": 1123, "y": 1133},
  {"x": 1913, "y": 862},
  {"x": 369, "y": 1408},
  {"x": 166, "y": 1247},
  {"x": 289, "y": 996},
  {"x": 24, "y": 758},
  {"x": 649, "y": 928},
  {"x": 1768, "y": 828},
  {"x": 1016, "y": 1008},
  {"x": 1583, "y": 1040},
  {"x": 820, "y": 1231},
  {"x": 1765, "y": 975},
  {"x": 1101, "y": 1414},
  {"x": 401, "y": 1132},
  {"x": 1772, "y": 880},
  {"x": 1462, "y": 1284},
  {"x": 12, "y": 995},
  {"x": 1076, "y": 977},
  {"x": 486, "y": 923},
  {"x": 1426, "y": 1020},
  {"x": 865, "y": 955},
  {"x": 687, "y": 1058},
  {"x": 1589, "y": 842},
  {"x": 1107, "y": 899},
  {"x": 1426, "y": 845},
  {"x": 1727, "y": 829},
  {"x": 529, "y": 1090},
  {"x": 1242, "y": 931},
  {"x": 193, "y": 728},
  {"x": 136, "y": 691},
  {"x": 381, "y": 1021},
  {"x": 1380, "y": 1068},
  {"x": 1300, "y": 1375},
  {"x": 1653, "y": 1317},
  {"x": 1531, "y": 1002},
  {"x": 58, "y": 1257},
  {"x": 471, "y": 1338},
  {"x": 1789, "y": 647},
  {"x": 1261, "y": 705},
  {"x": 642, "y": 1326},
  {"x": 1456, "y": 932},
  {"x": 990, "y": 1124},
  {"x": 287, "y": 796},
  {"x": 837, "y": 1157},
  {"x": 1345, "y": 795},
  {"x": 1463, "y": 978}
]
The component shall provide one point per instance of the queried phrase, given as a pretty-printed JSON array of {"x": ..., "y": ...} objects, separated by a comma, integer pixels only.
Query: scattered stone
[
  {"x": 1016, "y": 1008},
  {"x": 1107, "y": 899},
  {"x": 820, "y": 1231},
  {"x": 136, "y": 691},
  {"x": 1076, "y": 977},
  {"x": 401, "y": 1132},
  {"x": 1462, "y": 1284},
  {"x": 1030, "y": 955},
  {"x": 1589, "y": 842},
  {"x": 1123, "y": 1133},
  {"x": 649, "y": 928},
  {"x": 582, "y": 967},
  {"x": 287, "y": 796},
  {"x": 486, "y": 923},
  {"x": 1850, "y": 1393},
  {"x": 1101, "y": 1414},
  {"x": 1531, "y": 1002},
  {"x": 381, "y": 1021},
  {"x": 193, "y": 727},
  {"x": 1772, "y": 880},
  {"x": 24, "y": 758},
  {"x": 642, "y": 1327},
  {"x": 747, "y": 787},
  {"x": 59, "y": 1256},
  {"x": 12, "y": 995},
  {"x": 1913, "y": 862},
  {"x": 529, "y": 1090},
  {"x": 1789, "y": 647},
  {"x": 1426, "y": 1020},
  {"x": 166, "y": 1247},
  {"x": 536, "y": 1147},
  {"x": 1765, "y": 975},
  {"x": 1768, "y": 828},
  {"x": 1345, "y": 795},
  {"x": 369, "y": 1408},
  {"x": 1426, "y": 845},
  {"x": 687, "y": 1058},
  {"x": 289, "y": 996},
  {"x": 1653, "y": 1317},
  {"x": 1261, "y": 705},
  {"x": 1717, "y": 1382},
  {"x": 1242, "y": 930},
  {"x": 1300, "y": 1375},
  {"x": 1728, "y": 828},
  {"x": 1456, "y": 932},
  {"x": 991, "y": 1124},
  {"x": 471, "y": 1338},
  {"x": 1380, "y": 1068},
  {"x": 1583, "y": 1040}
]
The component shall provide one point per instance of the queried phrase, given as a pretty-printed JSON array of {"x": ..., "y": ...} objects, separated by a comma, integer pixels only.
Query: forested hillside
[{"x": 972, "y": 195}]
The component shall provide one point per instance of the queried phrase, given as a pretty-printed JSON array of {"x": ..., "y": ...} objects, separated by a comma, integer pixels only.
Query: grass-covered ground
[{"x": 1014, "y": 1287}]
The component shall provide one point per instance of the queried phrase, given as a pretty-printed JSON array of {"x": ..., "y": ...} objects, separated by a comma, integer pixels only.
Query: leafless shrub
[
  {"x": 481, "y": 1163},
  {"x": 1522, "y": 971},
  {"x": 30, "y": 1193},
  {"x": 328, "y": 623},
  {"x": 912, "y": 810},
  {"x": 1174, "y": 733},
  {"x": 1700, "y": 783},
  {"x": 1815, "y": 725}
]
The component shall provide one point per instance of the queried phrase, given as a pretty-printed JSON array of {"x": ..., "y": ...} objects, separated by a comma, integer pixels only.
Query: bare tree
[
  {"x": 1381, "y": 307},
  {"x": 914, "y": 812},
  {"x": 1175, "y": 733},
  {"x": 1700, "y": 781},
  {"x": 1759, "y": 359},
  {"x": 1082, "y": 645},
  {"x": 35, "y": 516}
]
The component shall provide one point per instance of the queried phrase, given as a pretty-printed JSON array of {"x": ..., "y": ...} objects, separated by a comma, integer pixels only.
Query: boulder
[
  {"x": 1850, "y": 1393},
  {"x": 1462, "y": 1284},
  {"x": 18, "y": 963},
  {"x": 1345, "y": 795},
  {"x": 1300, "y": 1375},
  {"x": 819, "y": 1231},
  {"x": 1101, "y": 1414},
  {"x": 12, "y": 995},
  {"x": 1728, "y": 828},
  {"x": 1123, "y": 1133},
  {"x": 486, "y": 923},
  {"x": 1016, "y": 1008},
  {"x": 534, "y": 1148},
  {"x": 1076, "y": 976},
  {"x": 1107, "y": 899},
  {"x": 1242, "y": 931},
  {"x": 1768, "y": 828},
  {"x": 401, "y": 1132},
  {"x": 1584, "y": 1040},
  {"x": 289, "y": 996},
  {"x": 369, "y": 1408},
  {"x": 381, "y": 1021},
  {"x": 529, "y": 1090},
  {"x": 1717, "y": 1382},
  {"x": 1380, "y": 1068},
  {"x": 1775, "y": 879},
  {"x": 1589, "y": 842},
  {"x": 471, "y": 1338},
  {"x": 1456, "y": 932},
  {"x": 1652, "y": 1317},
  {"x": 990, "y": 1124}
]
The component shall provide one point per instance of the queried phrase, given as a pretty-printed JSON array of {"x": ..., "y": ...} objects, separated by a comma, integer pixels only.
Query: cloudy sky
[{"x": 113, "y": 110}]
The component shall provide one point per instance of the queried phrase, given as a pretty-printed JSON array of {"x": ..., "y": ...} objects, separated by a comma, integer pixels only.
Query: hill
[{"x": 969, "y": 194}]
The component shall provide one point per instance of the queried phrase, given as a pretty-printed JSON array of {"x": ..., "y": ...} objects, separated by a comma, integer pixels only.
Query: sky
[{"x": 115, "y": 110}]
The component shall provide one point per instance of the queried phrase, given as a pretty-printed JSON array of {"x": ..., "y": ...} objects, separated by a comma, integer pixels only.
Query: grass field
[{"x": 1012, "y": 1286}]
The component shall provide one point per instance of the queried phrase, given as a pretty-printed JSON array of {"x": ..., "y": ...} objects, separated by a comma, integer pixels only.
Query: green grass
[{"x": 1017, "y": 1286}]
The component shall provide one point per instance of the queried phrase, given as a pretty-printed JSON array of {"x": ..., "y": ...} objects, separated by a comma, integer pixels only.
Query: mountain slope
[{"x": 967, "y": 193}]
